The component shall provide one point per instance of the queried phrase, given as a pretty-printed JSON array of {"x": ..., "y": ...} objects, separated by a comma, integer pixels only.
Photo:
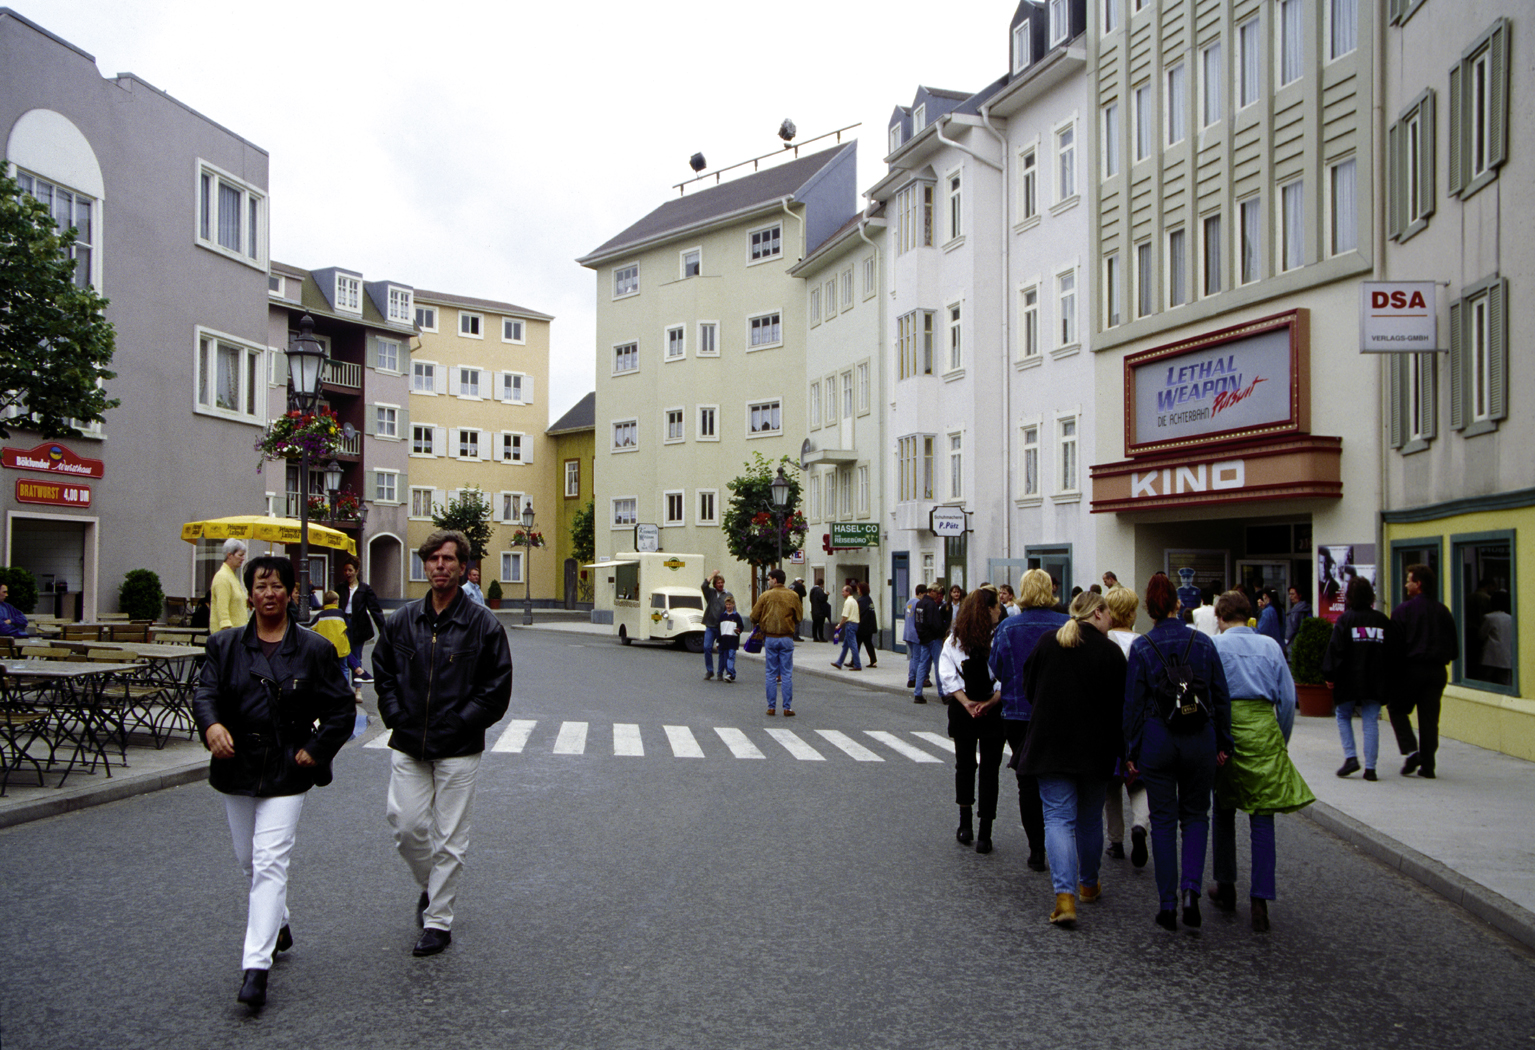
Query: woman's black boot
[
  {"x": 965, "y": 834},
  {"x": 983, "y": 840},
  {"x": 253, "y": 990}
]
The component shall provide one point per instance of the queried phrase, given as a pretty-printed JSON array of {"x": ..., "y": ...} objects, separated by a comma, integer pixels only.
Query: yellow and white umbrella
[{"x": 270, "y": 530}]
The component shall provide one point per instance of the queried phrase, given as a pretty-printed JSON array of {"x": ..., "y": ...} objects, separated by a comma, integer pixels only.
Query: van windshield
[{"x": 687, "y": 601}]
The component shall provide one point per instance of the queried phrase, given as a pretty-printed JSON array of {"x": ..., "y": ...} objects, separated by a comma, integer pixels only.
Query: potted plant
[
  {"x": 140, "y": 595},
  {"x": 23, "y": 587},
  {"x": 294, "y": 432},
  {"x": 493, "y": 594},
  {"x": 1306, "y": 653}
]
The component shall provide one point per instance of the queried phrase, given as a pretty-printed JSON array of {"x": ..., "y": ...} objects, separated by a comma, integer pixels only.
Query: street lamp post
[
  {"x": 306, "y": 369},
  {"x": 332, "y": 487},
  {"x": 780, "y": 491},
  {"x": 527, "y": 563}
]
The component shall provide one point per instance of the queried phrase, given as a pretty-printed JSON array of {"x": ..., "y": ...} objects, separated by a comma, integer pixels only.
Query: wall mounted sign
[
  {"x": 51, "y": 458},
  {"x": 55, "y": 493},
  {"x": 1397, "y": 317},
  {"x": 1249, "y": 380},
  {"x": 647, "y": 539},
  {"x": 854, "y": 534},
  {"x": 1297, "y": 467},
  {"x": 948, "y": 521}
]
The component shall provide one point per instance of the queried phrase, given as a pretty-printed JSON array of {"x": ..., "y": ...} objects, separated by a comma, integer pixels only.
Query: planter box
[{"x": 1314, "y": 701}]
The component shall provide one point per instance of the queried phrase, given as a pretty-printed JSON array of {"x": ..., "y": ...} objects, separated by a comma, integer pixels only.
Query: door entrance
[{"x": 900, "y": 594}]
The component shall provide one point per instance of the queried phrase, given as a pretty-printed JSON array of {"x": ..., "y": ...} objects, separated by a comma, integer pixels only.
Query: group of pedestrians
[
  {"x": 1173, "y": 718},
  {"x": 273, "y": 707}
]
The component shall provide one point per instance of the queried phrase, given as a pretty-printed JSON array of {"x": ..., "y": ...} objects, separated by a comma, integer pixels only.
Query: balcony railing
[
  {"x": 343, "y": 373},
  {"x": 351, "y": 446}
]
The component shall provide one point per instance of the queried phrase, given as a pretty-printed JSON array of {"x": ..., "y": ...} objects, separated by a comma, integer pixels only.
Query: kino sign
[
  {"x": 1397, "y": 317},
  {"x": 1203, "y": 477}
]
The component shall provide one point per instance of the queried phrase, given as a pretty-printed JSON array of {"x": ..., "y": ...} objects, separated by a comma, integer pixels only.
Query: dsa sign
[{"x": 1398, "y": 317}]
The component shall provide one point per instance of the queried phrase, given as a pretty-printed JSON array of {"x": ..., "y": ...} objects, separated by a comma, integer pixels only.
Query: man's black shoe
[
  {"x": 432, "y": 941},
  {"x": 1224, "y": 894},
  {"x": 1037, "y": 860},
  {"x": 1426, "y": 774},
  {"x": 911, "y": 683},
  {"x": 1138, "y": 847},
  {"x": 421, "y": 903},
  {"x": 284, "y": 940},
  {"x": 253, "y": 989},
  {"x": 1411, "y": 765},
  {"x": 1350, "y": 765},
  {"x": 1191, "y": 916}
]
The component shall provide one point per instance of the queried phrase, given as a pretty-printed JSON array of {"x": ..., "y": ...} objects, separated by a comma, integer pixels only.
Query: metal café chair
[
  {"x": 81, "y": 632},
  {"x": 128, "y": 699},
  {"x": 20, "y": 726},
  {"x": 127, "y": 633}
]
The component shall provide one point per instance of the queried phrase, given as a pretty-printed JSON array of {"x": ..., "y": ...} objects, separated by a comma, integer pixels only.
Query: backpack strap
[
  {"x": 1154, "y": 648},
  {"x": 1189, "y": 648}
]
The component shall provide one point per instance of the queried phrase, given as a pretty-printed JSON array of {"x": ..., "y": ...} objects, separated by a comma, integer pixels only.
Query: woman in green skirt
[{"x": 1260, "y": 779}]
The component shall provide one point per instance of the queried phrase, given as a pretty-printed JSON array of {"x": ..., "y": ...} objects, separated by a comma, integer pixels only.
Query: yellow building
[
  {"x": 476, "y": 420},
  {"x": 573, "y": 448}
]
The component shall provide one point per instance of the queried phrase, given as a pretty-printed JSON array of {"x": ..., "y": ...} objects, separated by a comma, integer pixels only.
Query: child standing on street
[
  {"x": 331, "y": 622},
  {"x": 730, "y": 640}
]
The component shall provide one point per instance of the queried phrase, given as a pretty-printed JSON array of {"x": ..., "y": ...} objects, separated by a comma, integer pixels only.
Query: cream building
[
  {"x": 477, "y": 376},
  {"x": 701, "y": 349}
]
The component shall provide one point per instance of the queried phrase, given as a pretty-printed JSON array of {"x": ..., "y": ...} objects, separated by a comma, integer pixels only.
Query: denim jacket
[
  {"x": 1011, "y": 645},
  {"x": 1140, "y": 707}
]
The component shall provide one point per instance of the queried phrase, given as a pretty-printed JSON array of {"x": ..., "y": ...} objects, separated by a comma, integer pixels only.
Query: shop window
[
  {"x": 1410, "y": 552},
  {"x": 1484, "y": 608}
]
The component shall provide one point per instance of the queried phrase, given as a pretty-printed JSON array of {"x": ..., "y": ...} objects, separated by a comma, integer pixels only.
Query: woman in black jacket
[
  {"x": 868, "y": 623},
  {"x": 362, "y": 610},
  {"x": 1076, "y": 679},
  {"x": 1355, "y": 667},
  {"x": 975, "y": 711},
  {"x": 274, "y": 709}
]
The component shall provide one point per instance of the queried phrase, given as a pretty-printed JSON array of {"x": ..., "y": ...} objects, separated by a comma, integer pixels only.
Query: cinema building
[{"x": 1239, "y": 430}]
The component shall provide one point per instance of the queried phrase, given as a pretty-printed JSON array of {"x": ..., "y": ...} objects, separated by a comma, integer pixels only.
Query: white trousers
[
  {"x": 263, "y": 831},
  {"x": 1114, "y": 813},
  {"x": 429, "y": 805}
]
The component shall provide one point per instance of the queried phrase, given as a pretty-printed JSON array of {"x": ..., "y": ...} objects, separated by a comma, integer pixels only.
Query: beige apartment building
[
  {"x": 478, "y": 372},
  {"x": 701, "y": 349}
]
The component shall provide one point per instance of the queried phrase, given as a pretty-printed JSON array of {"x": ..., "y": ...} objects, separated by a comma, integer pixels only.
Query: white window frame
[
  {"x": 1143, "y": 280},
  {"x": 347, "y": 294},
  {"x": 1145, "y": 121},
  {"x": 1068, "y": 454},
  {"x": 519, "y": 329},
  {"x": 696, "y": 255},
  {"x": 1113, "y": 290},
  {"x": 1212, "y": 84},
  {"x": 761, "y": 251},
  {"x": 624, "y": 512},
  {"x": 956, "y": 456},
  {"x": 1177, "y": 267},
  {"x": 428, "y": 373},
  {"x": 251, "y": 395},
  {"x": 1342, "y": 224},
  {"x": 707, "y": 515},
  {"x": 769, "y": 319},
  {"x": 674, "y": 499},
  {"x": 1023, "y": 47},
  {"x": 1060, "y": 21},
  {"x": 378, "y": 355},
  {"x": 847, "y": 290},
  {"x": 514, "y": 447},
  {"x": 620, "y": 355},
  {"x": 1067, "y": 300},
  {"x": 815, "y": 305},
  {"x": 829, "y": 297},
  {"x": 1248, "y": 264},
  {"x": 708, "y": 339},
  {"x": 918, "y": 119},
  {"x": 955, "y": 182},
  {"x": 708, "y": 419},
  {"x": 954, "y": 327},
  {"x": 423, "y": 314},
  {"x": 1029, "y": 488},
  {"x": 475, "y": 443},
  {"x": 382, "y": 413},
  {"x": 393, "y": 498},
  {"x": 511, "y": 388},
  {"x": 427, "y": 441},
  {"x": 1289, "y": 61},
  {"x": 1030, "y": 347},
  {"x": 573, "y": 478},
  {"x": 865, "y": 389},
  {"x": 1249, "y": 71},
  {"x": 1028, "y": 183},
  {"x": 1479, "y": 357},
  {"x": 465, "y": 390},
  {"x": 764, "y": 405},
  {"x": 815, "y": 405},
  {"x": 626, "y": 283},
  {"x": 511, "y": 566},
  {"x": 616, "y": 433},
  {"x": 847, "y": 395},
  {"x": 895, "y": 137},
  {"x": 402, "y": 304},
  {"x": 680, "y": 413},
  {"x": 1110, "y": 16},
  {"x": 1177, "y": 103},
  {"x": 1065, "y": 161},
  {"x": 1111, "y": 139},
  {"x": 206, "y": 214},
  {"x": 870, "y": 285},
  {"x": 676, "y": 342},
  {"x": 417, "y": 568},
  {"x": 861, "y": 489},
  {"x": 1292, "y": 229},
  {"x": 474, "y": 321},
  {"x": 1211, "y": 282},
  {"x": 1345, "y": 14},
  {"x": 430, "y": 493}
]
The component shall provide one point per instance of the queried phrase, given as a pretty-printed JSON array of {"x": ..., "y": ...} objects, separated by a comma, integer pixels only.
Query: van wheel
[
  {"x": 694, "y": 642},
  {"x": 623, "y": 635}
]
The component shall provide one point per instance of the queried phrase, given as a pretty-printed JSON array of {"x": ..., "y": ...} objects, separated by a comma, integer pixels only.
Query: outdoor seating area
[{"x": 79, "y": 704}]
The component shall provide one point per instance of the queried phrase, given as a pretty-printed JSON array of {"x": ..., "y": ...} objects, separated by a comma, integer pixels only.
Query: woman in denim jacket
[{"x": 1177, "y": 767}]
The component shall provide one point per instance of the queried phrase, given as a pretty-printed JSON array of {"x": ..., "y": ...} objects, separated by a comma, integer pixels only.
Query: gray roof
[
  {"x": 582, "y": 416},
  {"x": 702, "y": 206},
  {"x": 480, "y": 304}
]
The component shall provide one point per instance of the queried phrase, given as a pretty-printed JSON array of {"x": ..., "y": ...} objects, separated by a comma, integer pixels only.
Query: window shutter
[
  {"x": 439, "y": 498},
  {"x": 1396, "y": 181},
  {"x": 1497, "y": 91},
  {"x": 501, "y": 386},
  {"x": 403, "y": 429},
  {"x": 1396, "y": 11},
  {"x": 487, "y": 453},
  {"x": 1457, "y": 366},
  {"x": 495, "y": 508},
  {"x": 439, "y": 441},
  {"x": 527, "y": 390},
  {"x": 1497, "y": 350},
  {"x": 1428, "y": 391},
  {"x": 372, "y": 351},
  {"x": 527, "y": 446},
  {"x": 439, "y": 379},
  {"x": 1457, "y": 150},
  {"x": 1397, "y": 376},
  {"x": 372, "y": 416},
  {"x": 1427, "y": 140}
]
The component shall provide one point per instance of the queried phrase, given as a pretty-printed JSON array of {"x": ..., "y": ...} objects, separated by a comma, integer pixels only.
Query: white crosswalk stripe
[
  {"x": 626, "y": 739},
  {"x": 515, "y": 737},
  {"x": 572, "y": 739},
  {"x": 380, "y": 741},
  {"x": 795, "y": 746},
  {"x": 684, "y": 744},
  {"x": 935, "y": 738},
  {"x": 739, "y": 743},
  {"x": 848, "y": 746},
  {"x": 899, "y": 746}
]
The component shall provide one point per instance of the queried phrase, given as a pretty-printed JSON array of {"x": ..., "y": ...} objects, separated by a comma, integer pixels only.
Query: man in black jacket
[
  {"x": 1426, "y": 640},
  {"x": 443, "y": 672},
  {"x": 820, "y": 611}
]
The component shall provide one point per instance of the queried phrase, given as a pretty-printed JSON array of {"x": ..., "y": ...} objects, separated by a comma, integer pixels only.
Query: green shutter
[
  {"x": 1428, "y": 393},
  {"x": 1497, "y": 350},
  {"x": 403, "y": 416},
  {"x": 1396, "y": 180},
  {"x": 1497, "y": 95},
  {"x": 1396, "y": 10},
  {"x": 1457, "y": 133},
  {"x": 1426, "y": 143},
  {"x": 370, "y": 418},
  {"x": 1396, "y": 374},
  {"x": 371, "y": 350},
  {"x": 1458, "y": 375}
]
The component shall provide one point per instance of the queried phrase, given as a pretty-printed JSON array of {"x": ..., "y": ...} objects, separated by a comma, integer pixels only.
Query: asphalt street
[{"x": 670, "y": 899}]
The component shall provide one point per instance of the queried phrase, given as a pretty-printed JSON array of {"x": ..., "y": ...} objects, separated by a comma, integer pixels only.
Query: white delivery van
[{"x": 653, "y": 597}]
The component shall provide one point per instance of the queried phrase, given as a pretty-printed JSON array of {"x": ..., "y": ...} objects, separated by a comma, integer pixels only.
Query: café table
[{"x": 79, "y": 715}]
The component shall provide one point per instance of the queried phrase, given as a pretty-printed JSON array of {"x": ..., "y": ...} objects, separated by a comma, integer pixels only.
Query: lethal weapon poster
[{"x": 1235, "y": 385}]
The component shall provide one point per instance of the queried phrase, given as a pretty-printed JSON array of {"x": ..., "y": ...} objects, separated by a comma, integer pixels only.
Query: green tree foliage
[
  {"x": 469, "y": 513},
  {"x": 55, "y": 342},
  {"x": 750, "y": 530},
  {"x": 23, "y": 587},
  {"x": 140, "y": 595},
  {"x": 583, "y": 534}
]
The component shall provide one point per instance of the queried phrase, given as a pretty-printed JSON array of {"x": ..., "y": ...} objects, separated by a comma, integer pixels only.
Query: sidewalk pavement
[{"x": 1466, "y": 835}]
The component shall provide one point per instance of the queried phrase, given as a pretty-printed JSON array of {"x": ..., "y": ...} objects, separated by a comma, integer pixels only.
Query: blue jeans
[
  {"x": 911, "y": 660},
  {"x": 1073, "y": 830},
  {"x": 1223, "y": 837},
  {"x": 728, "y": 661},
  {"x": 1369, "y": 712},
  {"x": 927, "y": 657},
  {"x": 849, "y": 645},
  {"x": 711, "y": 635},
  {"x": 1179, "y": 771},
  {"x": 780, "y": 664}
]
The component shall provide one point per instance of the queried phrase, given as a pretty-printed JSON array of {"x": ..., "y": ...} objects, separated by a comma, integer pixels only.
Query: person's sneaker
[
  {"x": 708, "y": 675},
  {"x": 1369, "y": 774},
  {"x": 911, "y": 683},
  {"x": 730, "y": 678},
  {"x": 1138, "y": 847},
  {"x": 364, "y": 676},
  {"x": 1350, "y": 765},
  {"x": 1116, "y": 850}
]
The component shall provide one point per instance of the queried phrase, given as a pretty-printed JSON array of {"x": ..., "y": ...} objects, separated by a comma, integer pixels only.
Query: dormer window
[
  {"x": 348, "y": 294},
  {"x": 1023, "y": 49},
  {"x": 895, "y": 137},
  {"x": 1060, "y": 21},
  {"x": 919, "y": 118},
  {"x": 402, "y": 308}
]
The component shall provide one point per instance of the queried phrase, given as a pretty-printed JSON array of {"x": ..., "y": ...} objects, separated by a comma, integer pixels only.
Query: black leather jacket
[
  {"x": 440, "y": 686},
  {"x": 273, "y": 708}
]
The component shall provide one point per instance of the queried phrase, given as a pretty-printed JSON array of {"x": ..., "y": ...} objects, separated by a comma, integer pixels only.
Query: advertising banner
[
  {"x": 1243, "y": 384},
  {"x": 1397, "y": 316},
  {"x": 1335, "y": 569},
  {"x": 54, "y": 493},
  {"x": 51, "y": 458},
  {"x": 854, "y": 534}
]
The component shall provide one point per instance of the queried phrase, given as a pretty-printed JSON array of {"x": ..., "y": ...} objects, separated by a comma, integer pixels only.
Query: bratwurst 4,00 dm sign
[{"x": 1236, "y": 385}]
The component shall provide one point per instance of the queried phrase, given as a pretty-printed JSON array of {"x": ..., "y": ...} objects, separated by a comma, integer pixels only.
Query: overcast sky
[{"x": 479, "y": 148}]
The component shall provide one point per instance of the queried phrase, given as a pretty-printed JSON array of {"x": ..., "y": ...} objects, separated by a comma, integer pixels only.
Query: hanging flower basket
[
  {"x": 526, "y": 539},
  {"x": 290, "y": 435},
  {"x": 348, "y": 507}
]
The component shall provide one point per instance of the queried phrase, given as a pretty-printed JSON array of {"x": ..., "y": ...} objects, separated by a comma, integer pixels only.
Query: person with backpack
[
  {"x": 931, "y": 631},
  {"x": 1260, "y": 779},
  {"x": 1177, "y": 724},
  {"x": 975, "y": 713},
  {"x": 1076, "y": 677},
  {"x": 1357, "y": 668}
]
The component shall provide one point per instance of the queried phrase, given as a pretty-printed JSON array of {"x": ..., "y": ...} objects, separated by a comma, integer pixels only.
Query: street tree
[
  {"x": 750, "y": 529},
  {"x": 583, "y": 533},
  {"x": 55, "y": 340},
  {"x": 470, "y": 513}
]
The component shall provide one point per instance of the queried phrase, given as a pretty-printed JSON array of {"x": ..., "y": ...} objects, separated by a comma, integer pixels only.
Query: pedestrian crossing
[{"x": 629, "y": 740}]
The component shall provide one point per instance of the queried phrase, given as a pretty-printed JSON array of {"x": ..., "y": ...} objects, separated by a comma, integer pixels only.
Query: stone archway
[{"x": 384, "y": 571}]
